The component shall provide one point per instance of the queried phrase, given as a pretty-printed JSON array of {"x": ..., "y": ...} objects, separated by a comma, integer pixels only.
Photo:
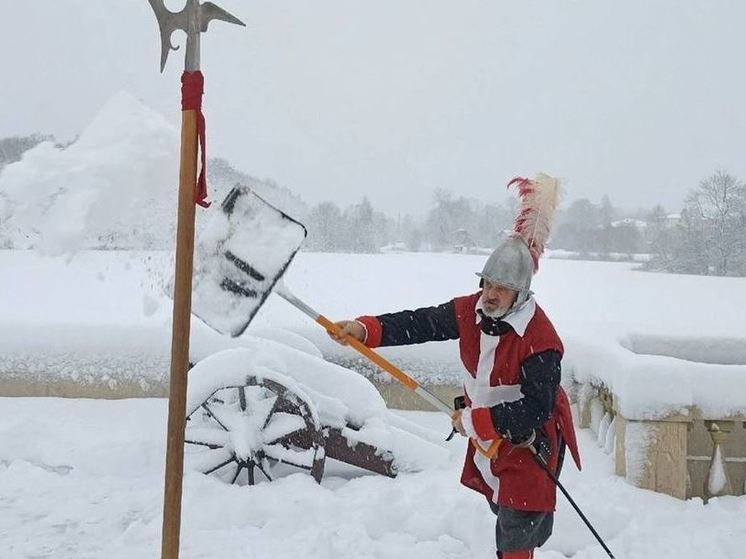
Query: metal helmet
[{"x": 511, "y": 265}]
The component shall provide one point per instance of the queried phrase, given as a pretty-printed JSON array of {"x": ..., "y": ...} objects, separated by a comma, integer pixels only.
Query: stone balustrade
[{"x": 685, "y": 455}]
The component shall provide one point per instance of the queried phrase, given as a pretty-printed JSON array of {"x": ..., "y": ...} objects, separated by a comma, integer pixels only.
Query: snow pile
[
  {"x": 117, "y": 180},
  {"x": 631, "y": 331},
  {"x": 115, "y": 186}
]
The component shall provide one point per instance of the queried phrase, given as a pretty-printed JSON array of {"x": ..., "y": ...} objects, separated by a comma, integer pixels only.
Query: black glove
[
  {"x": 542, "y": 446},
  {"x": 538, "y": 443},
  {"x": 459, "y": 403}
]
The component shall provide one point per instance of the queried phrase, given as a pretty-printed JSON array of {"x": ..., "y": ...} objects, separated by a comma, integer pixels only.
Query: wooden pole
[{"x": 180, "y": 337}]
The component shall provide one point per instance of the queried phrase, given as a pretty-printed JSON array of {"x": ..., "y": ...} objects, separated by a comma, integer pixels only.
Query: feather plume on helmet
[
  {"x": 539, "y": 199},
  {"x": 514, "y": 262}
]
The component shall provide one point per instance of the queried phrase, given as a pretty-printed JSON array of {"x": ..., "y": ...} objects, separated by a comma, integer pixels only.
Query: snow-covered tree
[{"x": 719, "y": 207}]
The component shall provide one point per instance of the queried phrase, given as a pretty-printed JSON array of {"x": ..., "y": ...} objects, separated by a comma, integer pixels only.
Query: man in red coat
[{"x": 511, "y": 354}]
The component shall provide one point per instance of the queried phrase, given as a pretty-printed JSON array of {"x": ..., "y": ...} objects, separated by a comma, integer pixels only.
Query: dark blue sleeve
[
  {"x": 429, "y": 324},
  {"x": 540, "y": 380}
]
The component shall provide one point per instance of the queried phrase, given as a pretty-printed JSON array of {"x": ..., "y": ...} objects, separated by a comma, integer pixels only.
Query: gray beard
[{"x": 497, "y": 313}]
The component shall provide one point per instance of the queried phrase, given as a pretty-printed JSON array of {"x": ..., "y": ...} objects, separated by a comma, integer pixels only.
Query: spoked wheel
[{"x": 261, "y": 428}]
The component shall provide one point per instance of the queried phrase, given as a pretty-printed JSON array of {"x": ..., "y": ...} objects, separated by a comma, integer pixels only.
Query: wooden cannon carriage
[{"x": 247, "y": 421}]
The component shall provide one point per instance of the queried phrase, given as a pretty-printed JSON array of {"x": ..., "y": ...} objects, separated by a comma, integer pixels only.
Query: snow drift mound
[{"x": 116, "y": 182}]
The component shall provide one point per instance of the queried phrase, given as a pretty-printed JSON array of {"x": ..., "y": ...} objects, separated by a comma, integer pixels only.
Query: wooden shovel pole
[{"x": 180, "y": 337}]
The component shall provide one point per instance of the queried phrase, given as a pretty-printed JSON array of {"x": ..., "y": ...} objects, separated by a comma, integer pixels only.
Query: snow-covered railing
[{"x": 673, "y": 426}]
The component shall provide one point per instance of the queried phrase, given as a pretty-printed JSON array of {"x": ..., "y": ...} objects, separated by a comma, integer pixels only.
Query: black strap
[{"x": 493, "y": 326}]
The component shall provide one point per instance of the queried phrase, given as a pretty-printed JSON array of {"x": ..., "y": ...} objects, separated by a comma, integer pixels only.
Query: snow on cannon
[{"x": 266, "y": 409}]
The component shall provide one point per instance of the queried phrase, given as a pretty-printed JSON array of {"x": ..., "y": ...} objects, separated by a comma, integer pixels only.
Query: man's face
[{"x": 497, "y": 299}]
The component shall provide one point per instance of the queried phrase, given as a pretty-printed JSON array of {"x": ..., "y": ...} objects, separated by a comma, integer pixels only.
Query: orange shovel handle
[
  {"x": 390, "y": 368},
  {"x": 490, "y": 452}
]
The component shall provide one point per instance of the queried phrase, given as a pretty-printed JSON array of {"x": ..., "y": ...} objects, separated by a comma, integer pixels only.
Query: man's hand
[
  {"x": 538, "y": 443},
  {"x": 348, "y": 328},
  {"x": 457, "y": 424}
]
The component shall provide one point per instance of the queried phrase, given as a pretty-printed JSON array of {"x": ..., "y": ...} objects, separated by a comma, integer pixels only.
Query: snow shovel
[{"x": 243, "y": 252}]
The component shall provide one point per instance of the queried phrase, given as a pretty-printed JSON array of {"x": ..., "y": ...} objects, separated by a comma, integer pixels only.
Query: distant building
[
  {"x": 462, "y": 241},
  {"x": 631, "y": 222},
  {"x": 395, "y": 247},
  {"x": 671, "y": 220}
]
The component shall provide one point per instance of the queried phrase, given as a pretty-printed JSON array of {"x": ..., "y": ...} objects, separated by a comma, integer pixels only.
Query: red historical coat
[{"x": 513, "y": 478}]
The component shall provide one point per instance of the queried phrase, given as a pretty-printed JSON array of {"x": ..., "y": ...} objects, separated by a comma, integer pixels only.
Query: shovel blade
[{"x": 244, "y": 250}]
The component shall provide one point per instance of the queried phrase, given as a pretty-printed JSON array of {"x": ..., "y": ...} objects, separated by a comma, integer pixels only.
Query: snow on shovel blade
[{"x": 243, "y": 251}]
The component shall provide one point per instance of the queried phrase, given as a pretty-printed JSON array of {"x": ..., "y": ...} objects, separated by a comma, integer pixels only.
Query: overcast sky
[{"x": 391, "y": 99}]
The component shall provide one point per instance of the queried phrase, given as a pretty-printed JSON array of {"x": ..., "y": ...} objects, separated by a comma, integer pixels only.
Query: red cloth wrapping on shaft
[{"x": 192, "y": 87}]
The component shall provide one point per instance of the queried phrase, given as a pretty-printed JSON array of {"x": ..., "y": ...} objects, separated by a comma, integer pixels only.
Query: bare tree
[
  {"x": 12, "y": 148},
  {"x": 719, "y": 204}
]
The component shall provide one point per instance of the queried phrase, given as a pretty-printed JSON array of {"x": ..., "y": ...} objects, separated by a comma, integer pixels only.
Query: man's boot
[{"x": 524, "y": 554}]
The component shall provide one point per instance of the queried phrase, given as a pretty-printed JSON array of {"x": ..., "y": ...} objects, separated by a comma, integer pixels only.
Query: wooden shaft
[{"x": 180, "y": 338}]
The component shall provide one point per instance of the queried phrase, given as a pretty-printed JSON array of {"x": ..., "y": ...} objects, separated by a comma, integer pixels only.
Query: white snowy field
[
  {"x": 662, "y": 342},
  {"x": 83, "y": 479}
]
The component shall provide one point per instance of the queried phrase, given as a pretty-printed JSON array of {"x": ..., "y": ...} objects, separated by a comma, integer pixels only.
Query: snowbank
[{"x": 116, "y": 179}]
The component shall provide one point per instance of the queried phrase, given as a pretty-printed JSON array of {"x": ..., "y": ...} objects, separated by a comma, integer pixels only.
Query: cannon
[{"x": 264, "y": 410}]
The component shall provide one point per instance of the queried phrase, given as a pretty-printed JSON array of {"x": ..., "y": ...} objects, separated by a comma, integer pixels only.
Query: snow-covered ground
[{"x": 83, "y": 479}]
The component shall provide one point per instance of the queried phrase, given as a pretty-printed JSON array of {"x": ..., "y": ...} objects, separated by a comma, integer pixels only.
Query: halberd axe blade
[{"x": 193, "y": 19}]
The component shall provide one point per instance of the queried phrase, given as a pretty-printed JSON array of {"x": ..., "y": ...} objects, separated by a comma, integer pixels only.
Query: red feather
[{"x": 539, "y": 200}]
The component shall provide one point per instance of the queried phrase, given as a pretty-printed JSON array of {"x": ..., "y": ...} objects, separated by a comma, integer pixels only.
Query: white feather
[
  {"x": 539, "y": 200},
  {"x": 538, "y": 207}
]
